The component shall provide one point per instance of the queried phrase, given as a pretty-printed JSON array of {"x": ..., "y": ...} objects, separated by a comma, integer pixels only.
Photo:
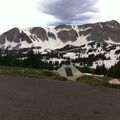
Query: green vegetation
[
  {"x": 28, "y": 72},
  {"x": 93, "y": 80},
  {"x": 114, "y": 71},
  {"x": 97, "y": 81},
  {"x": 27, "y": 59}
]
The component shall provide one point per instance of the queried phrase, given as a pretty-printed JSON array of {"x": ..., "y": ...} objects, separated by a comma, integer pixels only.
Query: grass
[
  {"x": 97, "y": 81},
  {"x": 28, "y": 72}
]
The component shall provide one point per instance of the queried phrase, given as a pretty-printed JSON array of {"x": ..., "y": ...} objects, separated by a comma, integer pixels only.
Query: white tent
[{"x": 70, "y": 72}]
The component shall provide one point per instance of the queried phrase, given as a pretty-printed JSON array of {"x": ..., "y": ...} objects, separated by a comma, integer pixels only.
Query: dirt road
[{"x": 32, "y": 99}]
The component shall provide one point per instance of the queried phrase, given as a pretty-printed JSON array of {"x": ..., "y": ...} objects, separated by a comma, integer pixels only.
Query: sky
[{"x": 31, "y": 13}]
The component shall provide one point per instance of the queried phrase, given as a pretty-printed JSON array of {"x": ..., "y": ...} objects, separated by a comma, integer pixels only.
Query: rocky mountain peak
[
  {"x": 113, "y": 23},
  {"x": 38, "y": 36},
  {"x": 64, "y": 26}
]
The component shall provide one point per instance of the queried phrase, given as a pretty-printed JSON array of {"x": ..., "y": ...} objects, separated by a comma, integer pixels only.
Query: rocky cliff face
[
  {"x": 102, "y": 31},
  {"x": 70, "y": 35},
  {"x": 14, "y": 35},
  {"x": 40, "y": 33}
]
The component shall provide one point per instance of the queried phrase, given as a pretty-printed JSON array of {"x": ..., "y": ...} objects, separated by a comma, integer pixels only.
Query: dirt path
[{"x": 31, "y": 99}]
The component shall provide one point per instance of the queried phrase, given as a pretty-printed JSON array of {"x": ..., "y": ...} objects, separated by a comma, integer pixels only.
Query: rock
[
  {"x": 70, "y": 35},
  {"x": 40, "y": 33},
  {"x": 114, "y": 82}
]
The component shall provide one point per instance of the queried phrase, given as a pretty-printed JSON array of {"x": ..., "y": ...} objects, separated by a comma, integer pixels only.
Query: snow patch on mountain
[
  {"x": 109, "y": 41},
  {"x": 70, "y": 55},
  {"x": 85, "y": 29}
]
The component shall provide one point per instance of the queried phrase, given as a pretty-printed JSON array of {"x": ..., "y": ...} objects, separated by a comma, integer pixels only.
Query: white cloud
[
  {"x": 109, "y": 10},
  {"x": 21, "y": 13},
  {"x": 24, "y": 13}
]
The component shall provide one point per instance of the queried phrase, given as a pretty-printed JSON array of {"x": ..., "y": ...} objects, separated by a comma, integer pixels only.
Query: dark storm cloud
[{"x": 70, "y": 11}]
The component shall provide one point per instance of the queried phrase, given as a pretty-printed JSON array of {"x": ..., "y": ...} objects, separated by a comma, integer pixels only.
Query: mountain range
[{"x": 72, "y": 41}]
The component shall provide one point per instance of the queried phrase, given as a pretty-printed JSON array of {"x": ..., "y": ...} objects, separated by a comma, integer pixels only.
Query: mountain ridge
[
  {"x": 99, "y": 32},
  {"x": 73, "y": 41}
]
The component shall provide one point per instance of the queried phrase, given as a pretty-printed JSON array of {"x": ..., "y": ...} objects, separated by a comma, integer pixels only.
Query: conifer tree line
[
  {"x": 27, "y": 59},
  {"x": 30, "y": 59}
]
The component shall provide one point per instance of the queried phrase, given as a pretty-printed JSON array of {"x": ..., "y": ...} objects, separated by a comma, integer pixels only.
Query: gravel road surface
[{"x": 23, "y": 98}]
